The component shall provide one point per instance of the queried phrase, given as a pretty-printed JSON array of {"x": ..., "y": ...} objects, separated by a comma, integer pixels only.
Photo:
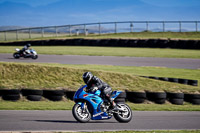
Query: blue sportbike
[{"x": 91, "y": 106}]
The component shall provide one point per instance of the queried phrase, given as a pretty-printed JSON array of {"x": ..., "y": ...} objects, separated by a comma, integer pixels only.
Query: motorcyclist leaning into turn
[{"x": 94, "y": 84}]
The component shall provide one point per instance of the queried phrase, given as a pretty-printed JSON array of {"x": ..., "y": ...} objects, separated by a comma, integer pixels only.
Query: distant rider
[
  {"x": 26, "y": 48},
  {"x": 94, "y": 84}
]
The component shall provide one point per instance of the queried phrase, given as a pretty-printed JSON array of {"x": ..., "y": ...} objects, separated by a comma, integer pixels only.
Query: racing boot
[{"x": 113, "y": 105}]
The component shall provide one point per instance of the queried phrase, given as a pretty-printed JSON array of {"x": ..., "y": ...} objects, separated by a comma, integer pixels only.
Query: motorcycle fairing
[
  {"x": 94, "y": 100},
  {"x": 115, "y": 94},
  {"x": 33, "y": 51}
]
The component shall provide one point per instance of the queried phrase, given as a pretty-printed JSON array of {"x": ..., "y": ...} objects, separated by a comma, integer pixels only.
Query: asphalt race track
[
  {"x": 64, "y": 121},
  {"x": 109, "y": 60}
]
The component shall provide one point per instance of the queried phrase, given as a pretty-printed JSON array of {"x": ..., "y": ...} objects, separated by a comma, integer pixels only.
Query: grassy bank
[
  {"x": 143, "y": 71},
  {"x": 57, "y": 76},
  {"x": 110, "y": 51},
  {"x": 42, "y": 76}
]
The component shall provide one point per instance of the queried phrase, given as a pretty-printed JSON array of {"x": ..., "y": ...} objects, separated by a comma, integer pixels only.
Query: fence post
[
  {"x": 115, "y": 27},
  {"x": 196, "y": 26},
  {"x": 163, "y": 26},
  {"x": 131, "y": 25},
  {"x": 5, "y": 37},
  {"x": 147, "y": 26},
  {"x": 85, "y": 30},
  {"x": 29, "y": 33},
  {"x": 180, "y": 28},
  {"x": 99, "y": 28}
]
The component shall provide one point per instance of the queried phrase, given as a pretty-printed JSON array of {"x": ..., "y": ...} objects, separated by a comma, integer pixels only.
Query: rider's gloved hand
[{"x": 93, "y": 89}]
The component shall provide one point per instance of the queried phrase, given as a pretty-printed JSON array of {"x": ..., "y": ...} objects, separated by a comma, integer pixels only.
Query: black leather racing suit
[{"x": 105, "y": 89}]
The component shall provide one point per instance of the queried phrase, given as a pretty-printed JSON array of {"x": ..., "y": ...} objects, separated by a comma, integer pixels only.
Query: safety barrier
[
  {"x": 141, "y": 43},
  {"x": 177, "y": 98},
  {"x": 175, "y": 80}
]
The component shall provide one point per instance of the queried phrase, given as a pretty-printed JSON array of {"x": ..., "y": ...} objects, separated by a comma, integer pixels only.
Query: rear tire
[
  {"x": 16, "y": 55},
  {"x": 123, "y": 116},
  {"x": 79, "y": 115}
]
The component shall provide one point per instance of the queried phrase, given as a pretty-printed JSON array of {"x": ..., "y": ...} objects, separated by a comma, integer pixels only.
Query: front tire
[
  {"x": 80, "y": 115},
  {"x": 125, "y": 113},
  {"x": 34, "y": 57}
]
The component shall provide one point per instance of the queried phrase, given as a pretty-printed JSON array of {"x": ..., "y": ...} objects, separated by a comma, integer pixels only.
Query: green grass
[
  {"x": 143, "y": 35},
  {"x": 153, "y": 35},
  {"x": 39, "y": 105},
  {"x": 54, "y": 76},
  {"x": 163, "y": 107},
  {"x": 109, "y": 51},
  {"x": 143, "y": 71},
  {"x": 68, "y": 104}
]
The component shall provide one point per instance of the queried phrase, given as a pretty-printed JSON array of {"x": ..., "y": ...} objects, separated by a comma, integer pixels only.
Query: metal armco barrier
[{"x": 99, "y": 28}]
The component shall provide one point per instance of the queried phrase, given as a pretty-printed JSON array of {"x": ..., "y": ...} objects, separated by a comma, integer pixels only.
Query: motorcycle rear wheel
[
  {"x": 80, "y": 115},
  {"x": 123, "y": 116},
  {"x": 16, "y": 55}
]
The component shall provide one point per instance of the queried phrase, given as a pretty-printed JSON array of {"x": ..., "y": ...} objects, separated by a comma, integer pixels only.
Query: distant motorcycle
[{"x": 30, "y": 53}]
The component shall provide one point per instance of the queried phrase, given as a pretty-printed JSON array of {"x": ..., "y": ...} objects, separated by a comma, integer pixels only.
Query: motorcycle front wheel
[
  {"x": 81, "y": 115},
  {"x": 125, "y": 113},
  {"x": 34, "y": 57}
]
